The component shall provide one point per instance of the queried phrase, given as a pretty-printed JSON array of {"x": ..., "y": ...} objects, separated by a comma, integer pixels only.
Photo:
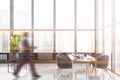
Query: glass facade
[{"x": 50, "y": 23}]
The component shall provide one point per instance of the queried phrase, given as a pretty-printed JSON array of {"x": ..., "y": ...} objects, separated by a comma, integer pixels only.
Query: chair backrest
[
  {"x": 103, "y": 61},
  {"x": 97, "y": 55},
  {"x": 63, "y": 61}
]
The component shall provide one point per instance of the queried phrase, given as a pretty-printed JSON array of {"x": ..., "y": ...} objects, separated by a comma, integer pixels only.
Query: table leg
[{"x": 95, "y": 69}]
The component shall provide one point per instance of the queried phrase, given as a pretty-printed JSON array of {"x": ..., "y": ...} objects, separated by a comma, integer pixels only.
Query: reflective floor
[{"x": 51, "y": 72}]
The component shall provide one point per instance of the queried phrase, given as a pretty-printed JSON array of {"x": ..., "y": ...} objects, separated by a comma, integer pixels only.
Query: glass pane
[
  {"x": 107, "y": 13},
  {"x": 4, "y": 14},
  {"x": 85, "y": 14},
  {"x": 117, "y": 11},
  {"x": 107, "y": 44},
  {"x": 117, "y": 40},
  {"x": 44, "y": 41},
  {"x": 85, "y": 41},
  {"x": 100, "y": 14},
  {"x": 117, "y": 49},
  {"x": 4, "y": 39},
  {"x": 64, "y": 14},
  {"x": 22, "y": 14},
  {"x": 64, "y": 41},
  {"x": 43, "y": 14},
  {"x": 100, "y": 41}
]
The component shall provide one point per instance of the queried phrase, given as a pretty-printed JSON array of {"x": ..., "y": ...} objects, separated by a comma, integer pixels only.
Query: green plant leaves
[{"x": 15, "y": 41}]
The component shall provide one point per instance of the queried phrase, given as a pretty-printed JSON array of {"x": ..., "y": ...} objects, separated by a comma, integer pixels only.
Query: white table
[{"x": 80, "y": 58}]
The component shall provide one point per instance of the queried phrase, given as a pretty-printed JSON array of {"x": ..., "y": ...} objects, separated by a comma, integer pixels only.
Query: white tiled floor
[{"x": 48, "y": 72}]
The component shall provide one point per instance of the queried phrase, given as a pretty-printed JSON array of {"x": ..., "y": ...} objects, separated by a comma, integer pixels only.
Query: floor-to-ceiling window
[
  {"x": 117, "y": 36},
  {"x": 100, "y": 27},
  {"x": 108, "y": 31},
  {"x": 4, "y": 25},
  {"x": 104, "y": 28},
  {"x": 22, "y": 14},
  {"x": 85, "y": 25},
  {"x": 61, "y": 28},
  {"x": 53, "y": 28}
]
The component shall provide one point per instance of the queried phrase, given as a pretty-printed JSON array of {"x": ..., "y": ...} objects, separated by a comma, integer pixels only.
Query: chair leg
[
  {"x": 71, "y": 73},
  {"x": 108, "y": 73},
  {"x": 10, "y": 65},
  {"x": 56, "y": 75},
  {"x": 93, "y": 71},
  {"x": 58, "y": 72},
  {"x": 103, "y": 74}
]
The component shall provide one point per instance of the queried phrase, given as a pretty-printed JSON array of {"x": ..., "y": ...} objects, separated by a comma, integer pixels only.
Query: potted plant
[{"x": 15, "y": 40}]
